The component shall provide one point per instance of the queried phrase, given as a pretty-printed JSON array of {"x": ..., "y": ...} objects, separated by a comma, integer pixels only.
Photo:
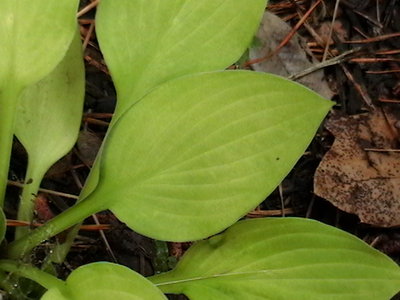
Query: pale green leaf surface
[
  {"x": 199, "y": 152},
  {"x": 54, "y": 294},
  {"x": 50, "y": 111},
  {"x": 105, "y": 281},
  {"x": 285, "y": 258},
  {"x": 147, "y": 42},
  {"x": 34, "y": 37}
]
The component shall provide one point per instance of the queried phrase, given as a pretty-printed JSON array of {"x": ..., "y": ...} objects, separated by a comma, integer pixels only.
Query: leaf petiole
[
  {"x": 44, "y": 279},
  {"x": 63, "y": 221},
  {"x": 8, "y": 105}
]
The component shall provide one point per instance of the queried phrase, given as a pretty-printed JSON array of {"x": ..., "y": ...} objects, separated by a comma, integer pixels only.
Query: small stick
[
  {"x": 96, "y": 122},
  {"x": 65, "y": 195},
  {"x": 87, "y": 8},
  {"x": 88, "y": 36},
  {"x": 374, "y": 39},
  {"x": 330, "y": 31},
  {"x": 381, "y": 150},
  {"x": 361, "y": 90},
  {"x": 333, "y": 61},
  {"x": 389, "y": 100},
  {"x": 373, "y": 59},
  {"x": 273, "y": 212},
  {"x": 384, "y": 71}
]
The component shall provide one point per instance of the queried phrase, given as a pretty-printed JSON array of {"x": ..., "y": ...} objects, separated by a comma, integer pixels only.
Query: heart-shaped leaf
[
  {"x": 105, "y": 281},
  {"x": 199, "y": 152},
  {"x": 49, "y": 117},
  {"x": 147, "y": 42},
  {"x": 282, "y": 259}
]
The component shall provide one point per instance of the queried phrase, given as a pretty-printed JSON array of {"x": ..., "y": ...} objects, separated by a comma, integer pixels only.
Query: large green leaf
[
  {"x": 49, "y": 117},
  {"x": 34, "y": 37},
  {"x": 282, "y": 259},
  {"x": 105, "y": 281},
  {"x": 199, "y": 152},
  {"x": 146, "y": 42}
]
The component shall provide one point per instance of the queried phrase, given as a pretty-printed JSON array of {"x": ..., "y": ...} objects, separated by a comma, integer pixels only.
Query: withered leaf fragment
[{"x": 359, "y": 174}]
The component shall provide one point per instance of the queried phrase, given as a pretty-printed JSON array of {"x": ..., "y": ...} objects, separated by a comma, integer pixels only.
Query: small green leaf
[
  {"x": 34, "y": 37},
  {"x": 199, "y": 152},
  {"x": 50, "y": 112},
  {"x": 147, "y": 42},
  {"x": 105, "y": 281},
  {"x": 49, "y": 117},
  {"x": 287, "y": 258}
]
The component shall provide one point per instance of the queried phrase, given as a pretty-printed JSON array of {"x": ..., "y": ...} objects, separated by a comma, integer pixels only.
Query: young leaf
[
  {"x": 49, "y": 117},
  {"x": 199, "y": 152},
  {"x": 28, "y": 52},
  {"x": 105, "y": 281},
  {"x": 286, "y": 258},
  {"x": 147, "y": 42}
]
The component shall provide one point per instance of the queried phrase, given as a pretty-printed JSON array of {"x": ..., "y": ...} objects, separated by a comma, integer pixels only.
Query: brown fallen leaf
[
  {"x": 293, "y": 58},
  {"x": 360, "y": 174}
]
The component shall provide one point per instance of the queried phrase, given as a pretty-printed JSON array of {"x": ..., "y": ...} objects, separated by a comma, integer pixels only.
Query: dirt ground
[{"x": 363, "y": 76}]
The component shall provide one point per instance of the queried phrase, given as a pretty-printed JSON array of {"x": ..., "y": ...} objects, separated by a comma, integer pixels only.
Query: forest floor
[{"x": 356, "y": 48}]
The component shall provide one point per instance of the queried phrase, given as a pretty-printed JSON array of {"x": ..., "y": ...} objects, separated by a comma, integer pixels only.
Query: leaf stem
[
  {"x": 44, "y": 279},
  {"x": 8, "y": 105},
  {"x": 63, "y": 221},
  {"x": 26, "y": 208}
]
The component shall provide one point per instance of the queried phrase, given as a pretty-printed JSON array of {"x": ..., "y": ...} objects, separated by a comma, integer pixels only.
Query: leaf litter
[
  {"x": 360, "y": 174},
  {"x": 293, "y": 58}
]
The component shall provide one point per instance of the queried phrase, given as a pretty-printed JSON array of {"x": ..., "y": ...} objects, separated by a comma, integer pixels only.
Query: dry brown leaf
[
  {"x": 356, "y": 178},
  {"x": 293, "y": 58}
]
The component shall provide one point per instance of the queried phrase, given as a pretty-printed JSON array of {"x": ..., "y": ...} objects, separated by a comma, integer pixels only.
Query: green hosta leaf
[
  {"x": 105, "y": 281},
  {"x": 49, "y": 117},
  {"x": 50, "y": 112},
  {"x": 34, "y": 37},
  {"x": 54, "y": 294},
  {"x": 199, "y": 152},
  {"x": 147, "y": 42},
  {"x": 282, "y": 259}
]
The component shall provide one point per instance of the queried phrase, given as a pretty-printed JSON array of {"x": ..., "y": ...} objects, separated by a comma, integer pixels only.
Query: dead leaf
[
  {"x": 291, "y": 59},
  {"x": 357, "y": 174},
  {"x": 88, "y": 145}
]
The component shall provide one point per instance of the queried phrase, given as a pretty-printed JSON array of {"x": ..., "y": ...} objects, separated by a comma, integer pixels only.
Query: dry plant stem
[
  {"x": 333, "y": 61},
  {"x": 63, "y": 221},
  {"x": 8, "y": 106},
  {"x": 44, "y": 279},
  {"x": 375, "y": 39},
  {"x": 330, "y": 31}
]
